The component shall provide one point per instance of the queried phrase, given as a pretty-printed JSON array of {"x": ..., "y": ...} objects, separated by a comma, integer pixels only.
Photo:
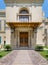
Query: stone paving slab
[
  {"x": 9, "y": 58},
  {"x": 37, "y": 59},
  {"x": 23, "y": 57},
  {"x": 23, "y": 64}
]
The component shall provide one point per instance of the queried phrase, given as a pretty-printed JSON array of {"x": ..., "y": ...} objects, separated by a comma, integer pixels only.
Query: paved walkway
[{"x": 23, "y": 57}]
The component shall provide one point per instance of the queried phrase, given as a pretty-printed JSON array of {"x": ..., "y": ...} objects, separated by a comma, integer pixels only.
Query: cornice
[{"x": 23, "y": 1}]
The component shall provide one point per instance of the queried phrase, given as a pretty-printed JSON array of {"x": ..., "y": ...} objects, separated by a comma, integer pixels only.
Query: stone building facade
[{"x": 22, "y": 24}]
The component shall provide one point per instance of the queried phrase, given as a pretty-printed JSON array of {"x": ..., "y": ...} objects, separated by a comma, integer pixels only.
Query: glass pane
[
  {"x": 0, "y": 40},
  {"x": 4, "y": 25},
  {"x": 0, "y": 24},
  {"x": 24, "y": 12},
  {"x": 24, "y": 18}
]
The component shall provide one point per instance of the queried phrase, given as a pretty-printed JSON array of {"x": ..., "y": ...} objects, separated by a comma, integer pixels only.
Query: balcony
[{"x": 24, "y": 17}]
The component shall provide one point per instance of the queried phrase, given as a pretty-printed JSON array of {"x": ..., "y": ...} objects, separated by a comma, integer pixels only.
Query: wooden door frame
[{"x": 27, "y": 38}]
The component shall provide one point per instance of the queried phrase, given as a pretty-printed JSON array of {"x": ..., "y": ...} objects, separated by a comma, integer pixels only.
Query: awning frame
[{"x": 24, "y": 24}]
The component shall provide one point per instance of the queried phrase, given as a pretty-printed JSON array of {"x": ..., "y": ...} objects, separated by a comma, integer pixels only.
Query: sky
[{"x": 44, "y": 7}]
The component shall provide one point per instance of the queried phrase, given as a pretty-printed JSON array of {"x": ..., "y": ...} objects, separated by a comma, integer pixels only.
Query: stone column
[
  {"x": 29, "y": 39},
  {"x": 35, "y": 37},
  {"x": 31, "y": 34},
  {"x": 13, "y": 39},
  {"x": 32, "y": 39},
  {"x": 18, "y": 39}
]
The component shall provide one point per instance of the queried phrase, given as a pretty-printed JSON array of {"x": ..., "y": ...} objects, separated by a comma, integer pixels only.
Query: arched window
[
  {"x": 24, "y": 12},
  {"x": 24, "y": 15}
]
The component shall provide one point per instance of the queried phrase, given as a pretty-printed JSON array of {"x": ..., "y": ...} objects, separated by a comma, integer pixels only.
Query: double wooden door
[{"x": 23, "y": 39}]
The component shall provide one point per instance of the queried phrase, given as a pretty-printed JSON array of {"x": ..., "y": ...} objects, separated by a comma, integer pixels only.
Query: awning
[{"x": 24, "y": 24}]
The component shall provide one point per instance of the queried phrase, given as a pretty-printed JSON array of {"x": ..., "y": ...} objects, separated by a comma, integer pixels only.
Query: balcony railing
[
  {"x": 24, "y": 17},
  {"x": 2, "y": 15}
]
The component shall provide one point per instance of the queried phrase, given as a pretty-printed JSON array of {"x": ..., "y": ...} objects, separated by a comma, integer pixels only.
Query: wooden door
[{"x": 23, "y": 39}]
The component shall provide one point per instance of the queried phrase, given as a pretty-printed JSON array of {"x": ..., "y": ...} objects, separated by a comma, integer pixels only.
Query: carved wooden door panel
[{"x": 23, "y": 39}]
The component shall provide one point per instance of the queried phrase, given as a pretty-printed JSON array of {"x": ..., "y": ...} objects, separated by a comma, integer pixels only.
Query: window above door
[{"x": 24, "y": 15}]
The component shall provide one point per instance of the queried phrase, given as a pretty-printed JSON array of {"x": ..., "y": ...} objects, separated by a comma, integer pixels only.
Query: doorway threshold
[{"x": 24, "y": 48}]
